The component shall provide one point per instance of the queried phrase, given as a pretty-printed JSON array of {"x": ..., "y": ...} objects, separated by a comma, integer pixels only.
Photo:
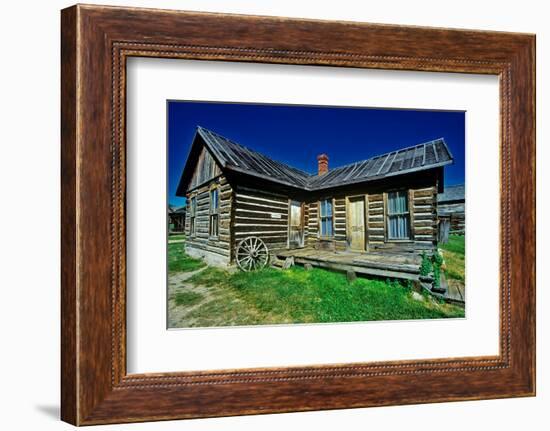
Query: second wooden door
[
  {"x": 356, "y": 217},
  {"x": 295, "y": 225}
]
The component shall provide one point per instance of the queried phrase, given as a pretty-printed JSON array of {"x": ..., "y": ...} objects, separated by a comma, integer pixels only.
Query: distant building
[
  {"x": 176, "y": 219},
  {"x": 451, "y": 207}
]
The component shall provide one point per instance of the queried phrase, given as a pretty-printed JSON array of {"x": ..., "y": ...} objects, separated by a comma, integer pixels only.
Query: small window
[
  {"x": 214, "y": 217},
  {"x": 192, "y": 214},
  {"x": 398, "y": 215},
  {"x": 326, "y": 217}
]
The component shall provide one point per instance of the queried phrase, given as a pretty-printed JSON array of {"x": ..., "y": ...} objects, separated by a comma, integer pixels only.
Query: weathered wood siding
[
  {"x": 423, "y": 219},
  {"x": 339, "y": 223},
  {"x": 424, "y": 216},
  {"x": 201, "y": 244},
  {"x": 376, "y": 235},
  {"x": 206, "y": 170},
  {"x": 456, "y": 213},
  {"x": 312, "y": 223},
  {"x": 263, "y": 214},
  {"x": 338, "y": 241}
]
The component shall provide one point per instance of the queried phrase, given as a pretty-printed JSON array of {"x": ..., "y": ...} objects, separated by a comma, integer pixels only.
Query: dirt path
[{"x": 178, "y": 315}]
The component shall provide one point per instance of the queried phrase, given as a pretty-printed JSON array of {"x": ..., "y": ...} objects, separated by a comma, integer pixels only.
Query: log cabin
[
  {"x": 451, "y": 208},
  {"x": 176, "y": 219},
  {"x": 373, "y": 216}
]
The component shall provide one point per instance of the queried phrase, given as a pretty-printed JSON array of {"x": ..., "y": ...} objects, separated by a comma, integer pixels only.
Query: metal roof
[
  {"x": 451, "y": 194},
  {"x": 176, "y": 210},
  {"x": 236, "y": 157},
  {"x": 239, "y": 158},
  {"x": 406, "y": 160}
]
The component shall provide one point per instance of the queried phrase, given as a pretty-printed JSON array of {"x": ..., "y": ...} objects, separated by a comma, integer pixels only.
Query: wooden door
[
  {"x": 356, "y": 217},
  {"x": 295, "y": 225}
]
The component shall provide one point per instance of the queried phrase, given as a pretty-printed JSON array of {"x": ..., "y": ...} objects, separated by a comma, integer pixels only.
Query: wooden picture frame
[{"x": 95, "y": 43}]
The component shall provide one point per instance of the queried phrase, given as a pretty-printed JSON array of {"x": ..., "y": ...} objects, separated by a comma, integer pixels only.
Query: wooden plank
[
  {"x": 358, "y": 269},
  {"x": 411, "y": 213},
  {"x": 254, "y": 229},
  {"x": 429, "y": 192},
  {"x": 260, "y": 208},
  {"x": 260, "y": 200},
  {"x": 378, "y": 210},
  {"x": 260, "y": 220},
  {"x": 265, "y": 193}
]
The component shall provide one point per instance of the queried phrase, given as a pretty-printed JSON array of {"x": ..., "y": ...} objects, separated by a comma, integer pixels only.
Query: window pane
[
  {"x": 326, "y": 208},
  {"x": 398, "y": 227},
  {"x": 329, "y": 227},
  {"x": 403, "y": 201},
  {"x": 391, "y": 203},
  {"x": 214, "y": 199},
  {"x": 391, "y": 227},
  {"x": 397, "y": 202}
]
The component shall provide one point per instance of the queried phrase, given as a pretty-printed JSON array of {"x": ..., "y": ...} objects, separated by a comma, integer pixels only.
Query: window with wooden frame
[
  {"x": 398, "y": 221},
  {"x": 325, "y": 218},
  {"x": 214, "y": 216},
  {"x": 192, "y": 215}
]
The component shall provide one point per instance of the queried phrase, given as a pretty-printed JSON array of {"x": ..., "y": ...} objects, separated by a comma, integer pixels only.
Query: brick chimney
[{"x": 322, "y": 160}]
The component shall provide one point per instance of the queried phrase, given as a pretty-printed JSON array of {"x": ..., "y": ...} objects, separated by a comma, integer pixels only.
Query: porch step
[
  {"x": 282, "y": 263},
  {"x": 277, "y": 263}
]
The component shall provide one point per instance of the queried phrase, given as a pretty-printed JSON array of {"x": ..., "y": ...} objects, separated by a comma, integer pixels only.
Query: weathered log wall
[
  {"x": 456, "y": 212},
  {"x": 423, "y": 221},
  {"x": 423, "y": 208},
  {"x": 216, "y": 250},
  {"x": 339, "y": 213},
  {"x": 249, "y": 209},
  {"x": 313, "y": 224},
  {"x": 376, "y": 235},
  {"x": 263, "y": 214}
]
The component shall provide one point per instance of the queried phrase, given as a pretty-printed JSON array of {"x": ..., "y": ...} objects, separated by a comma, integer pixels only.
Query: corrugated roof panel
[
  {"x": 364, "y": 166},
  {"x": 373, "y": 170},
  {"x": 430, "y": 155},
  {"x": 408, "y": 158},
  {"x": 442, "y": 152},
  {"x": 418, "y": 156},
  {"x": 397, "y": 162},
  {"x": 341, "y": 175}
]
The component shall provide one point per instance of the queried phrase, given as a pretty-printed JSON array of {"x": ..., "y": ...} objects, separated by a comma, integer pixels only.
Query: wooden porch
[{"x": 402, "y": 266}]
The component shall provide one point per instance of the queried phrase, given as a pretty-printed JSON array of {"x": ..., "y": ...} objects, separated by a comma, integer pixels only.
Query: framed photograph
[{"x": 268, "y": 215}]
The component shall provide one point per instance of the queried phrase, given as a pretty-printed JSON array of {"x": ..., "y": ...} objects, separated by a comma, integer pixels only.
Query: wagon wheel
[{"x": 252, "y": 253}]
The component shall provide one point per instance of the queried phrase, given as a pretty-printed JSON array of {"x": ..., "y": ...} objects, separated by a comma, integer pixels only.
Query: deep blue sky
[{"x": 295, "y": 134}]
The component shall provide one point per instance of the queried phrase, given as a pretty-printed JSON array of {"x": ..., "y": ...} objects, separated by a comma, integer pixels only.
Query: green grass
[
  {"x": 187, "y": 298},
  {"x": 454, "y": 255},
  {"x": 456, "y": 244},
  {"x": 178, "y": 261},
  {"x": 176, "y": 236},
  {"x": 298, "y": 296}
]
